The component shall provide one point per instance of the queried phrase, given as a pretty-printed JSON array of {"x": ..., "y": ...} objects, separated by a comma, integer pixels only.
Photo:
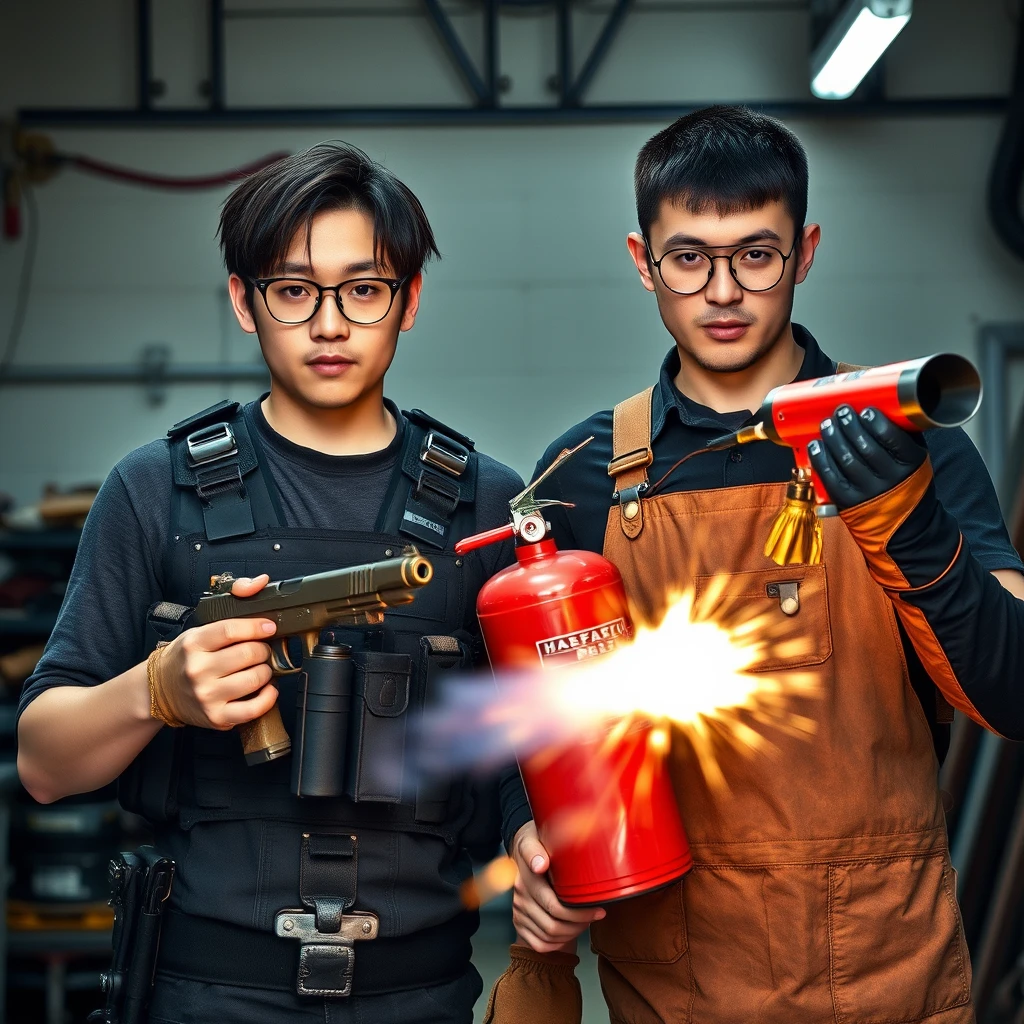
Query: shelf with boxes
[{"x": 55, "y": 923}]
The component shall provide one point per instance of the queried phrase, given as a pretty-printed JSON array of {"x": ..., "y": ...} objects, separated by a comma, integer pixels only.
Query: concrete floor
[{"x": 490, "y": 954}]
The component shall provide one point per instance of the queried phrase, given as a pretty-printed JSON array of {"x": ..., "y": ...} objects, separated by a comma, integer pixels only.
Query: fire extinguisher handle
[{"x": 481, "y": 540}]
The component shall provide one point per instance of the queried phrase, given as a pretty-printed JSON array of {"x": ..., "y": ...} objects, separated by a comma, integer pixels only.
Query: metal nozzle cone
[{"x": 795, "y": 536}]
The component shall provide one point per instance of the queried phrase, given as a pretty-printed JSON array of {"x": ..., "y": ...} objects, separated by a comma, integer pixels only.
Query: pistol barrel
[{"x": 301, "y": 603}]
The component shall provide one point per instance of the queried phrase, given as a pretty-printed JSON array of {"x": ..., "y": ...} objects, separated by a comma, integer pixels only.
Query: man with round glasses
[
  {"x": 822, "y": 888},
  {"x": 325, "y": 252}
]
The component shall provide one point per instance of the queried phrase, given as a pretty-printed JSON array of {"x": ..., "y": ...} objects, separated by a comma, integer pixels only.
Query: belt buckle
[{"x": 325, "y": 958}]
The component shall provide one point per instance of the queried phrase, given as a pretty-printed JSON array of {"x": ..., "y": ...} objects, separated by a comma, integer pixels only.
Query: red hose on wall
[{"x": 87, "y": 163}]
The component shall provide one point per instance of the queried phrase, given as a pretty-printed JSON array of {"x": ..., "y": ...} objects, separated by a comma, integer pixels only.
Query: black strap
[
  {"x": 165, "y": 620},
  {"x": 422, "y": 419},
  {"x": 213, "y": 458},
  {"x": 437, "y": 473},
  {"x": 201, "y": 949},
  {"x": 440, "y": 655},
  {"x": 221, "y": 412},
  {"x": 327, "y": 877}
]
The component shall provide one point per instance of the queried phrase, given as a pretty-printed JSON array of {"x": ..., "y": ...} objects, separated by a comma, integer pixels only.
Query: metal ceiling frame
[{"x": 484, "y": 89}]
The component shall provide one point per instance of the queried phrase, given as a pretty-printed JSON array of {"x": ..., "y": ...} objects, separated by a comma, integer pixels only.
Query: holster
[{"x": 140, "y": 884}]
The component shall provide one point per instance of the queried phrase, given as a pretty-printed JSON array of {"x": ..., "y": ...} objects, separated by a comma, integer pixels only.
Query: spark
[{"x": 490, "y": 882}]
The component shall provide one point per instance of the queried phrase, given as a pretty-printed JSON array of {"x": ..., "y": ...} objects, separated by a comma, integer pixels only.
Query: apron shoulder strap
[{"x": 631, "y": 455}]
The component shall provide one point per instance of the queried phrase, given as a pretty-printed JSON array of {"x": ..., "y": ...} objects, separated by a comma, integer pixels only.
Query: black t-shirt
[{"x": 117, "y": 575}]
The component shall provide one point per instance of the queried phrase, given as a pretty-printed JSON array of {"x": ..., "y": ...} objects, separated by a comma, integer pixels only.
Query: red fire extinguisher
[{"x": 604, "y": 806}]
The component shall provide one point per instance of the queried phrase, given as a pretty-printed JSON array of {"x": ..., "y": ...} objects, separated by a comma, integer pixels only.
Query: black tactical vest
[{"x": 236, "y": 830}]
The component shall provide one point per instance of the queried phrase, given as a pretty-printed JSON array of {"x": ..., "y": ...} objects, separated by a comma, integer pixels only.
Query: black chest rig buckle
[
  {"x": 440, "y": 465},
  {"x": 214, "y": 458},
  {"x": 327, "y": 936}
]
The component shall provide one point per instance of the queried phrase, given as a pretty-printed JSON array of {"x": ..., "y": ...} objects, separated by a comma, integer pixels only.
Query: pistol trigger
[{"x": 280, "y": 660}]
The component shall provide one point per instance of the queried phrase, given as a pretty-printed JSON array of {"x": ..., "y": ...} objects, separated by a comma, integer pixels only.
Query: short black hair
[
  {"x": 261, "y": 216},
  {"x": 723, "y": 158}
]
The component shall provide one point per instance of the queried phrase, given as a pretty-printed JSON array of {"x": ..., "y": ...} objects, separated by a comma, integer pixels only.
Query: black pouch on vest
[
  {"x": 380, "y": 703},
  {"x": 439, "y": 655}
]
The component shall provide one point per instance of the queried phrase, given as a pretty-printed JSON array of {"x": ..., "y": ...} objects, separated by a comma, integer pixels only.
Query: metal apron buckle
[{"x": 325, "y": 958}]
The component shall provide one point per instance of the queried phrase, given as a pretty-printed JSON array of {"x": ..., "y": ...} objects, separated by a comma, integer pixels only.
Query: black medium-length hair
[
  {"x": 728, "y": 159},
  {"x": 260, "y": 218}
]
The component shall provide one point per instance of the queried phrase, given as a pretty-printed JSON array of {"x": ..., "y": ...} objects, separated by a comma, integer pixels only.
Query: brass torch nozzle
[
  {"x": 795, "y": 537},
  {"x": 800, "y": 487},
  {"x": 755, "y": 432}
]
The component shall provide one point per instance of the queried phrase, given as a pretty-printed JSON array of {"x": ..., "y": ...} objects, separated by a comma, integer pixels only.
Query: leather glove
[
  {"x": 880, "y": 478},
  {"x": 536, "y": 987}
]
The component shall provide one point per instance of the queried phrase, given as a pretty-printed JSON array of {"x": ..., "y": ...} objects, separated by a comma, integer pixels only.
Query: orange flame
[{"x": 699, "y": 670}]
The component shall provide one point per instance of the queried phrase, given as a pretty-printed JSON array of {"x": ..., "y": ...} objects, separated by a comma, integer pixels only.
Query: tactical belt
[{"x": 205, "y": 950}]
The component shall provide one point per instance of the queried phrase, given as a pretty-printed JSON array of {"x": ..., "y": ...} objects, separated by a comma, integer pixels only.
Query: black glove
[{"x": 861, "y": 457}]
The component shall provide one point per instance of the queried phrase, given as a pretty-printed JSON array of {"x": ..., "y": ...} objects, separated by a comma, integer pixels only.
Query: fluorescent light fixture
[{"x": 860, "y": 34}]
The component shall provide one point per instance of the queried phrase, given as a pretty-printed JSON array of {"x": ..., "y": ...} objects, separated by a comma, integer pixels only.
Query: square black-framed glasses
[{"x": 394, "y": 285}]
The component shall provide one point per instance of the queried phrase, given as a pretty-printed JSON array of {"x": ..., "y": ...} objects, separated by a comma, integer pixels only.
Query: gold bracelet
[{"x": 157, "y": 707}]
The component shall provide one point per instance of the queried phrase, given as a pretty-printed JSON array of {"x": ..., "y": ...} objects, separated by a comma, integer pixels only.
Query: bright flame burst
[
  {"x": 712, "y": 670},
  {"x": 695, "y": 670}
]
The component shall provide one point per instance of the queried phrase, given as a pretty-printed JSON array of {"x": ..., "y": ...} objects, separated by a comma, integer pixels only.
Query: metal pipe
[
  {"x": 144, "y": 54},
  {"x": 185, "y": 373},
  {"x": 565, "y": 68},
  {"x": 1004, "y": 185},
  {"x": 597, "y": 55},
  {"x": 975, "y": 804},
  {"x": 456, "y": 51},
  {"x": 217, "y": 54},
  {"x": 996, "y": 342},
  {"x": 1003, "y": 913},
  {"x": 493, "y": 50},
  {"x": 39, "y": 117}
]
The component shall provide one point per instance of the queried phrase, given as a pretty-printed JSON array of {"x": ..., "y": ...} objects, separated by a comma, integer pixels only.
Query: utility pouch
[
  {"x": 439, "y": 655},
  {"x": 324, "y": 705},
  {"x": 140, "y": 884},
  {"x": 380, "y": 704}
]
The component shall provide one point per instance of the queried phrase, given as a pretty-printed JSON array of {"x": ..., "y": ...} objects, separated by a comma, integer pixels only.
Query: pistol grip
[{"x": 265, "y": 738}]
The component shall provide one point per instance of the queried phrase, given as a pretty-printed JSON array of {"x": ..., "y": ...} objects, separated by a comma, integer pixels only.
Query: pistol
[{"x": 303, "y": 606}]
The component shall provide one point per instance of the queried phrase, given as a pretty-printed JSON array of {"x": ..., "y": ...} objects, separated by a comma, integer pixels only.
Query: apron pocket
[
  {"x": 645, "y": 966},
  {"x": 897, "y": 947},
  {"x": 788, "y": 604},
  {"x": 648, "y": 929}
]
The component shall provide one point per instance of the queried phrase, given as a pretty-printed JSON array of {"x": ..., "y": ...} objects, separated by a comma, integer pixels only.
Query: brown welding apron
[{"x": 822, "y": 889}]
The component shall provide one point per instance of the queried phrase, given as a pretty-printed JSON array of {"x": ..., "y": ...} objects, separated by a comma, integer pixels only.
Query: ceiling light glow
[{"x": 861, "y": 34}]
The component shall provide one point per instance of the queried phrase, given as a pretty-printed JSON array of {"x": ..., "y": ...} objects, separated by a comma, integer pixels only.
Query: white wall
[{"x": 535, "y": 317}]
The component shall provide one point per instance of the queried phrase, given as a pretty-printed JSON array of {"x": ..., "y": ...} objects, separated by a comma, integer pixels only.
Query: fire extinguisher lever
[
  {"x": 528, "y": 523},
  {"x": 481, "y": 540}
]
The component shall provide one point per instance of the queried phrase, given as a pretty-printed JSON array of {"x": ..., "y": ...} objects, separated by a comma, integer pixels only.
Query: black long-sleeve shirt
[{"x": 976, "y": 614}]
